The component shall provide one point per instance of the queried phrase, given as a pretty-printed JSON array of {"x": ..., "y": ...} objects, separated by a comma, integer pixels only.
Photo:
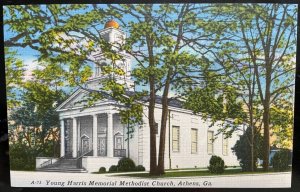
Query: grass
[{"x": 194, "y": 173}]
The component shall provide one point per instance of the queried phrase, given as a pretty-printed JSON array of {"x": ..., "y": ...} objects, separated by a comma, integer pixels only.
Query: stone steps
[
  {"x": 65, "y": 170},
  {"x": 64, "y": 165}
]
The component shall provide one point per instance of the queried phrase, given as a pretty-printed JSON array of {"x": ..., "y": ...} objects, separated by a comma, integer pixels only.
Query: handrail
[
  {"x": 46, "y": 163},
  {"x": 79, "y": 158},
  {"x": 49, "y": 162}
]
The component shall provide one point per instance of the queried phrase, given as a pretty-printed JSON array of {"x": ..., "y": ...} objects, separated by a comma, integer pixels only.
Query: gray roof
[{"x": 173, "y": 102}]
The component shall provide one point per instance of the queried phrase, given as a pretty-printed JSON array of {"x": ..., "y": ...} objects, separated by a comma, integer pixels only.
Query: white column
[
  {"x": 110, "y": 139},
  {"x": 74, "y": 153},
  {"x": 62, "y": 138},
  {"x": 95, "y": 135}
]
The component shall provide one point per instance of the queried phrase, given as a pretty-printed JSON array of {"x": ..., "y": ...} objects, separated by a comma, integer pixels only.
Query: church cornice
[{"x": 107, "y": 30}]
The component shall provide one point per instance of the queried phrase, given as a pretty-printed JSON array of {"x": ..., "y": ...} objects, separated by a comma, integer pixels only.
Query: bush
[
  {"x": 281, "y": 160},
  {"x": 22, "y": 157},
  {"x": 113, "y": 168},
  {"x": 216, "y": 164},
  {"x": 102, "y": 170},
  {"x": 242, "y": 150},
  {"x": 140, "y": 168},
  {"x": 126, "y": 164}
]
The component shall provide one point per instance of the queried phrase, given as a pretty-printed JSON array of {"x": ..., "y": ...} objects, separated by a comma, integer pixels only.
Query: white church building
[{"x": 94, "y": 137}]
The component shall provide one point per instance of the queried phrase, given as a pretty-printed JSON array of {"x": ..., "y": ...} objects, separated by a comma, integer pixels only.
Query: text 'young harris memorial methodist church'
[{"x": 94, "y": 137}]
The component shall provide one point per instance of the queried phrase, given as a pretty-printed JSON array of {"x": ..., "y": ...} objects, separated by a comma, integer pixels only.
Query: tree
[
  {"x": 256, "y": 58},
  {"x": 35, "y": 122},
  {"x": 244, "y": 150},
  {"x": 261, "y": 54},
  {"x": 160, "y": 44}
]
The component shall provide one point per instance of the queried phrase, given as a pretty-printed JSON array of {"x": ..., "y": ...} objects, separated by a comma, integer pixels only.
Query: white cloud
[{"x": 30, "y": 64}]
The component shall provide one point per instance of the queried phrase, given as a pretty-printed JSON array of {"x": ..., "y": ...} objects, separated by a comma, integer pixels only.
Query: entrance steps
[{"x": 63, "y": 165}]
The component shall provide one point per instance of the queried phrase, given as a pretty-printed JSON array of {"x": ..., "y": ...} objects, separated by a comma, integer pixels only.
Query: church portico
[{"x": 97, "y": 135}]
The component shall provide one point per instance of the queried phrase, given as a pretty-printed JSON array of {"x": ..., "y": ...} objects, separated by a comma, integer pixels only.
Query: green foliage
[
  {"x": 140, "y": 168},
  {"x": 216, "y": 165},
  {"x": 22, "y": 157},
  {"x": 282, "y": 121},
  {"x": 113, "y": 168},
  {"x": 14, "y": 69},
  {"x": 34, "y": 124},
  {"x": 126, "y": 164},
  {"x": 102, "y": 170},
  {"x": 242, "y": 149},
  {"x": 281, "y": 160}
]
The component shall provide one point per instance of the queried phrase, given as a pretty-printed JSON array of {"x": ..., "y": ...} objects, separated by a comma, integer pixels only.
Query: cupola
[{"x": 112, "y": 23}]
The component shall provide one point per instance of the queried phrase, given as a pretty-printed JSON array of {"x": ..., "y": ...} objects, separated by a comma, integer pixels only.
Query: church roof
[
  {"x": 173, "y": 102},
  {"x": 75, "y": 100}
]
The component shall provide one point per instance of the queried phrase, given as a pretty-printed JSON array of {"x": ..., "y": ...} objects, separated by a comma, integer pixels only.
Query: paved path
[{"x": 51, "y": 179}]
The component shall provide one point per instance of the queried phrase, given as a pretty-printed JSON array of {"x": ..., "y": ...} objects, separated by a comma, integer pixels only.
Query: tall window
[
  {"x": 97, "y": 71},
  {"x": 194, "y": 136},
  {"x": 210, "y": 142},
  {"x": 156, "y": 128},
  {"x": 225, "y": 145},
  {"x": 175, "y": 138}
]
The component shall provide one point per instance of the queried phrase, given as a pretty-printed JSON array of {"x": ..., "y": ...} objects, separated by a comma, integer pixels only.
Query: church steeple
[{"x": 113, "y": 35}]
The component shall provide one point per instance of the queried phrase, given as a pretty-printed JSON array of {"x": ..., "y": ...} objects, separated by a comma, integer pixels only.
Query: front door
[
  {"x": 85, "y": 145},
  {"x": 101, "y": 146}
]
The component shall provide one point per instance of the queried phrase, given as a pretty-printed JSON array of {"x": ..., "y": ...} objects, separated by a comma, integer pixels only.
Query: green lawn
[{"x": 192, "y": 173}]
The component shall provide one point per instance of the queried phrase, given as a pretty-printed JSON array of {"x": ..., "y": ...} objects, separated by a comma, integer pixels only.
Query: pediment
[{"x": 77, "y": 100}]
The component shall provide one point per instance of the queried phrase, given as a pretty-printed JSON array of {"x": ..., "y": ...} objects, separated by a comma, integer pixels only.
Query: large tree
[
  {"x": 260, "y": 55},
  {"x": 256, "y": 55}
]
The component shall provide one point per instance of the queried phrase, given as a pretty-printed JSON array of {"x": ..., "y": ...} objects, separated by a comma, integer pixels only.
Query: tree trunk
[
  {"x": 153, "y": 154},
  {"x": 162, "y": 141},
  {"x": 163, "y": 127},
  {"x": 151, "y": 107},
  {"x": 266, "y": 144},
  {"x": 266, "y": 115}
]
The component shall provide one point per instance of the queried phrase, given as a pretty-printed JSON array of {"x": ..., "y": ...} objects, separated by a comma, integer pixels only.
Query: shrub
[
  {"x": 22, "y": 157},
  {"x": 242, "y": 150},
  {"x": 113, "y": 168},
  {"x": 102, "y": 170},
  {"x": 216, "y": 164},
  {"x": 140, "y": 168},
  {"x": 281, "y": 160},
  {"x": 126, "y": 164}
]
